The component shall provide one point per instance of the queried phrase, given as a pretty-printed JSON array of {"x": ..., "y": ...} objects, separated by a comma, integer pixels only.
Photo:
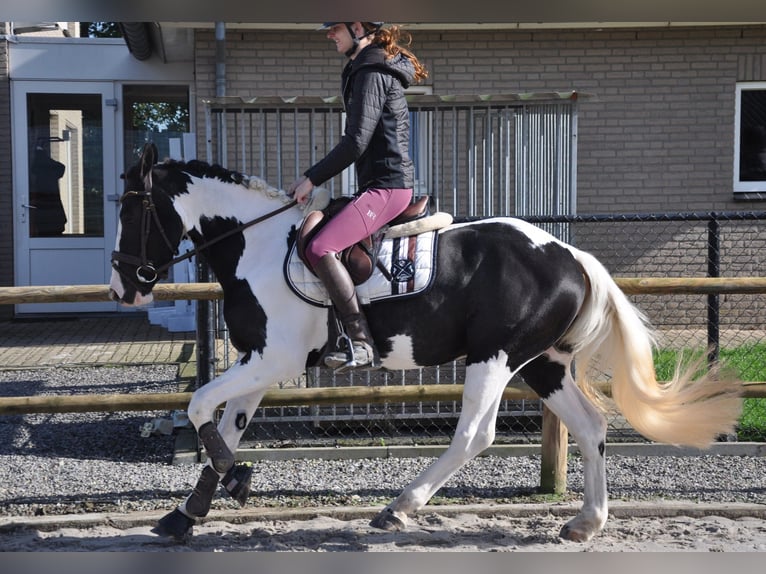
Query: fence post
[
  {"x": 205, "y": 330},
  {"x": 713, "y": 300},
  {"x": 553, "y": 465}
]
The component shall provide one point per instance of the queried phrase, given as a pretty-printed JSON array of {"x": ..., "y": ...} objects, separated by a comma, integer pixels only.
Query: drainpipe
[
  {"x": 220, "y": 59},
  {"x": 206, "y": 310}
]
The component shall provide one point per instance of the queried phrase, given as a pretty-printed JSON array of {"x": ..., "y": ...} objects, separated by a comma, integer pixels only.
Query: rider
[{"x": 376, "y": 141}]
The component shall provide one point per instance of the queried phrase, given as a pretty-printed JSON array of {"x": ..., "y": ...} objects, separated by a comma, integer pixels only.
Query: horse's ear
[{"x": 149, "y": 157}]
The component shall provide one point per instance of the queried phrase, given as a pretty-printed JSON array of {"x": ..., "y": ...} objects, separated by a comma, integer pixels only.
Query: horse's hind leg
[
  {"x": 550, "y": 377},
  {"x": 484, "y": 384}
]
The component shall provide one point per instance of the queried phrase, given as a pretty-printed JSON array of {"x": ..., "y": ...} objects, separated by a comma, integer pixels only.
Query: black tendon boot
[{"x": 360, "y": 348}]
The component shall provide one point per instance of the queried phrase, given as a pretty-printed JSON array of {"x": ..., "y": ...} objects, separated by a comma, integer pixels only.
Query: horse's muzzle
[{"x": 114, "y": 296}]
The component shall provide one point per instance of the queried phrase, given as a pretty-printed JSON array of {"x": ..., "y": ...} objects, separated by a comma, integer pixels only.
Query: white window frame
[{"x": 744, "y": 186}]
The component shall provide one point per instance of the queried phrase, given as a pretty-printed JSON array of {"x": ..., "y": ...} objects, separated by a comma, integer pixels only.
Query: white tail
[{"x": 612, "y": 333}]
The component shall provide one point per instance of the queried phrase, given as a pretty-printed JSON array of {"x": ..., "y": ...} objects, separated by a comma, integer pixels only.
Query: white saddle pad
[{"x": 409, "y": 260}]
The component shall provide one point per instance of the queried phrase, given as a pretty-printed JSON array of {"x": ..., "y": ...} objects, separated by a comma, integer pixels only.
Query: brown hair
[{"x": 389, "y": 39}]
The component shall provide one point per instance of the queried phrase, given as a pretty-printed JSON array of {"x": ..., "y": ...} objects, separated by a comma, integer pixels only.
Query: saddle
[{"x": 360, "y": 259}]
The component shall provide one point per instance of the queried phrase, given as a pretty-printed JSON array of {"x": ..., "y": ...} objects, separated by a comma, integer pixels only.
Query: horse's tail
[{"x": 612, "y": 334}]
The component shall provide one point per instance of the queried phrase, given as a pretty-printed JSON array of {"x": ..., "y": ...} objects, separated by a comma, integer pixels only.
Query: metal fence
[
  {"x": 475, "y": 155},
  {"x": 731, "y": 326},
  {"x": 500, "y": 155}
]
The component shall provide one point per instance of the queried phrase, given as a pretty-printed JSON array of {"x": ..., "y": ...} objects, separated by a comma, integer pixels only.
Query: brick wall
[{"x": 657, "y": 137}]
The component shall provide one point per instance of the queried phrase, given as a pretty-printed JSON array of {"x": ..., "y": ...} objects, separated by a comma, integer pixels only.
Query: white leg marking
[
  {"x": 588, "y": 427},
  {"x": 228, "y": 425},
  {"x": 236, "y": 381},
  {"x": 484, "y": 384},
  {"x": 402, "y": 355}
]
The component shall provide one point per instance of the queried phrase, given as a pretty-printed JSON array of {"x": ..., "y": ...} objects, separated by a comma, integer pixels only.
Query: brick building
[{"x": 658, "y": 135}]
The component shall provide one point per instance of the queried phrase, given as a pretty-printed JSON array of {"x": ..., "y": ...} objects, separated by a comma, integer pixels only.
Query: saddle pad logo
[{"x": 403, "y": 270}]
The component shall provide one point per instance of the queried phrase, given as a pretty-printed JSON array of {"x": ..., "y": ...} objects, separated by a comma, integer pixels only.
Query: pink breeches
[{"x": 363, "y": 216}]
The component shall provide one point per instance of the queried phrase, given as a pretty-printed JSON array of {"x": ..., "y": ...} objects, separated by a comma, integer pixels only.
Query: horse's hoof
[
  {"x": 389, "y": 520},
  {"x": 570, "y": 532},
  {"x": 237, "y": 481},
  {"x": 175, "y": 525}
]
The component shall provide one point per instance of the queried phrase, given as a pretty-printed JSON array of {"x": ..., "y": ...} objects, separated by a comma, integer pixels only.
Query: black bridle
[{"x": 146, "y": 272}]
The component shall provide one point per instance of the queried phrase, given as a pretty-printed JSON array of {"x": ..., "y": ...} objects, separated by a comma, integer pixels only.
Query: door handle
[{"x": 28, "y": 206}]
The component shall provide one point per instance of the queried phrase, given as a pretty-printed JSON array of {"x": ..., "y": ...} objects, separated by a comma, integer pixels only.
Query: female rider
[{"x": 376, "y": 141}]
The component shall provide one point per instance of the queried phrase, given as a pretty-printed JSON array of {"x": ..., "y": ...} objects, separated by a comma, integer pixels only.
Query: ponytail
[{"x": 389, "y": 38}]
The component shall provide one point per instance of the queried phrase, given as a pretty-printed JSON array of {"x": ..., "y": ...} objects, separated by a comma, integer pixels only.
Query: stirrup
[{"x": 358, "y": 355}]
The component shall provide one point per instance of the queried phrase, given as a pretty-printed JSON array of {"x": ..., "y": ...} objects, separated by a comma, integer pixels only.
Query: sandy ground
[{"x": 439, "y": 530}]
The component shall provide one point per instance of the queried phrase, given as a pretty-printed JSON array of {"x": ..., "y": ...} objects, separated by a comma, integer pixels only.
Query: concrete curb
[
  {"x": 756, "y": 449},
  {"x": 617, "y": 509}
]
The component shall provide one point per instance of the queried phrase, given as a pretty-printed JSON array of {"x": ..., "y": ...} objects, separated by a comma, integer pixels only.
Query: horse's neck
[{"x": 210, "y": 199}]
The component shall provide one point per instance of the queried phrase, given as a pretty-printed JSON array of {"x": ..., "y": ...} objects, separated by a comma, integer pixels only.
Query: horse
[{"x": 505, "y": 296}]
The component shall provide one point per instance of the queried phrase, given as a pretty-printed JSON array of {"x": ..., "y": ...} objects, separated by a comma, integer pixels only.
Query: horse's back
[
  {"x": 508, "y": 254},
  {"x": 500, "y": 284}
]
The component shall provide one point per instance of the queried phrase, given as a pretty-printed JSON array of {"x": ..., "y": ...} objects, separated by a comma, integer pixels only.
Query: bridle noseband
[{"x": 146, "y": 272}]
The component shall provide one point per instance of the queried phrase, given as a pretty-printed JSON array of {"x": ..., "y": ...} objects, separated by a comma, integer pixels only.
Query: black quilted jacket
[{"x": 377, "y": 132}]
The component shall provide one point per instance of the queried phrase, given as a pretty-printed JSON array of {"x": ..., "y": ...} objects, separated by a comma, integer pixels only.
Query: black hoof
[
  {"x": 175, "y": 525},
  {"x": 237, "y": 481}
]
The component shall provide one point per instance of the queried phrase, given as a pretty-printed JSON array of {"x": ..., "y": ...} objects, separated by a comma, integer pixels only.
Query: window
[
  {"x": 66, "y": 174},
  {"x": 750, "y": 138},
  {"x": 156, "y": 113}
]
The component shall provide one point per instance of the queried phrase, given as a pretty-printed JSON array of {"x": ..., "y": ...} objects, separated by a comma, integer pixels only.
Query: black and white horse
[{"x": 506, "y": 296}]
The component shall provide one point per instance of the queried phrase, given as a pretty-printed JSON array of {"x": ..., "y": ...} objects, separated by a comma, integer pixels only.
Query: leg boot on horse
[{"x": 361, "y": 351}]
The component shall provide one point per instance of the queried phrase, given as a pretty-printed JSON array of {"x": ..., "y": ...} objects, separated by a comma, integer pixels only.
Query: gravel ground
[{"x": 95, "y": 462}]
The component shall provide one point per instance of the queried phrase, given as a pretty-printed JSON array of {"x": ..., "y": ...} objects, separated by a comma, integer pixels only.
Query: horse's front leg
[
  {"x": 235, "y": 477},
  {"x": 475, "y": 431}
]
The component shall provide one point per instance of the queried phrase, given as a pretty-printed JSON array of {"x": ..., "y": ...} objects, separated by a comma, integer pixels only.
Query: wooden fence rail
[
  {"x": 554, "y": 443},
  {"x": 212, "y": 291},
  {"x": 274, "y": 398}
]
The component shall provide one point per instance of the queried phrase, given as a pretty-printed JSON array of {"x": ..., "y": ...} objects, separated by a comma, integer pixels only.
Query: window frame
[{"x": 743, "y": 187}]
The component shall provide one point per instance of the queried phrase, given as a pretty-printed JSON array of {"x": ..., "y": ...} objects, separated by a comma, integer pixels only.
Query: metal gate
[{"x": 475, "y": 155}]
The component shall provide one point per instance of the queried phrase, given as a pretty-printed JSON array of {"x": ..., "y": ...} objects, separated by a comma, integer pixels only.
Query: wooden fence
[
  {"x": 212, "y": 291},
  {"x": 554, "y": 435}
]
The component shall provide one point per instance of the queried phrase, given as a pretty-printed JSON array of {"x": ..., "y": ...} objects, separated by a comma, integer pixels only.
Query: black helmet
[
  {"x": 327, "y": 25},
  {"x": 350, "y": 52}
]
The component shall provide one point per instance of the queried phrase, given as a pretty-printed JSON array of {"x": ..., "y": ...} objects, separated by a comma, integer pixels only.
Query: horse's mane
[
  {"x": 202, "y": 169},
  {"x": 199, "y": 168}
]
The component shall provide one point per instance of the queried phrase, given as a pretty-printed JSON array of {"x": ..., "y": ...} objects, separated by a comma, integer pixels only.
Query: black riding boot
[{"x": 360, "y": 347}]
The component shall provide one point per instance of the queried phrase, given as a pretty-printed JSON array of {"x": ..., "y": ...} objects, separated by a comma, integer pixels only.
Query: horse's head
[{"x": 148, "y": 234}]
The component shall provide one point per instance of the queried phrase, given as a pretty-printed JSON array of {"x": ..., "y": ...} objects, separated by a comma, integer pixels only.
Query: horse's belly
[{"x": 401, "y": 355}]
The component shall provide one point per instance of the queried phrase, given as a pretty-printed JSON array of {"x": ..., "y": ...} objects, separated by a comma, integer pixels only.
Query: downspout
[
  {"x": 206, "y": 310},
  {"x": 220, "y": 59}
]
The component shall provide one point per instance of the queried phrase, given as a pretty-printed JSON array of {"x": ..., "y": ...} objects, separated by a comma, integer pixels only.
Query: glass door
[{"x": 66, "y": 186}]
